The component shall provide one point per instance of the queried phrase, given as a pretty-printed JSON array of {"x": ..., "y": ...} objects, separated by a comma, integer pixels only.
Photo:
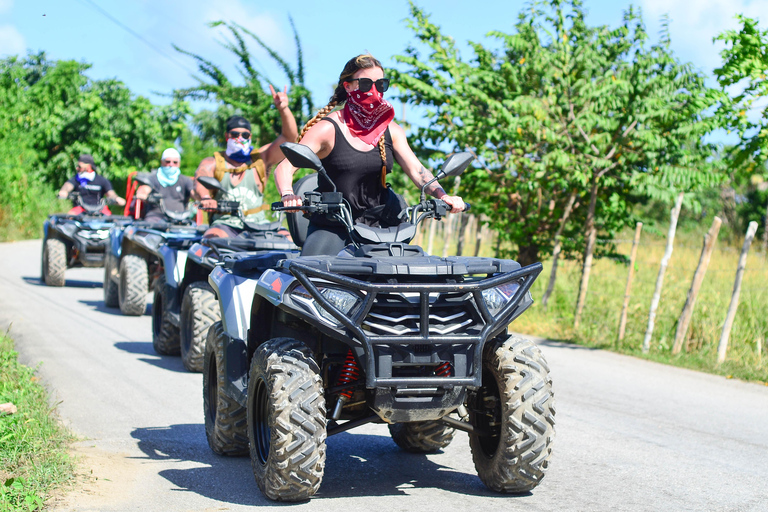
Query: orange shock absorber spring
[
  {"x": 349, "y": 373},
  {"x": 444, "y": 370}
]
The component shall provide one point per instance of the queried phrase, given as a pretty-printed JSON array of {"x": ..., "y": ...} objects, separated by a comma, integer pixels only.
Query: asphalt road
[{"x": 631, "y": 435}]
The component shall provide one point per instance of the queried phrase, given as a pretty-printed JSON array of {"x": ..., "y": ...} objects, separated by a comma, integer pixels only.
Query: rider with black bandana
[{"x": 347, "y": 144}]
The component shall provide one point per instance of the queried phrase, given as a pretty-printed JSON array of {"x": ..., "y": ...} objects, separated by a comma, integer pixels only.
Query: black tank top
[{"x": 357, "y": 174}]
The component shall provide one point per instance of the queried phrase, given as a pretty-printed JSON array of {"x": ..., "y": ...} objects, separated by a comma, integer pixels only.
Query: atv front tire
[
  {"x": 132, "y": 285},
  {"x": 286, "y": 420},
  {"x": 199, "y": 310},
  {"x": 225, "y": 419},
  {"x": 165, "y": 335},
  {"x": 54, "y": 262},
  {"x": 516, "y": 407},
  {"x": 421, "y": 436},
  {"x": 111, "y": 298}
]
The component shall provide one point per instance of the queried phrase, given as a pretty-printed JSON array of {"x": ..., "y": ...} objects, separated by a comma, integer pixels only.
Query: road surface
[{"x": 631, "y": 434}]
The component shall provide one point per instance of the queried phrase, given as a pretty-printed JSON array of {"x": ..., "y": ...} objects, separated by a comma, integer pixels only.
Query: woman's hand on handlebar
[
  {"x": 455, "y": 202},
  {"x": 289, "y": 200}
]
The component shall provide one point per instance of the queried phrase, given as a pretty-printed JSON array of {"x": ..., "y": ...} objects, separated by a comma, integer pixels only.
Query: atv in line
[
  {"x": 149, "y": 256},
  {"x": 78, "y": 240},
  {"x": 308, "y": 347},
  {"x": 199, "y": 308}
]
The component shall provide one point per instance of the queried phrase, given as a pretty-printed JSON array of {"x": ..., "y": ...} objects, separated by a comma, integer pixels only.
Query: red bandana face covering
[{"x": 367, "y": 115}]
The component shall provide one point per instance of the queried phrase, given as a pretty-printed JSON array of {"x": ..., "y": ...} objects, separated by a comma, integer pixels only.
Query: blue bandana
[
  {"x": 239, "y": 151},
  {"x": 168, "y": 176}
]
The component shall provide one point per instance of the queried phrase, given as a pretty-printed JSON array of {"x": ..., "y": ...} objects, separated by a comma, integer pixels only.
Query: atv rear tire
[
  {"x": 165, "y": 335},
  {"x": 132, "y": 285},
  {"x": 54, "y": 262},
  {"x": 111, "y": 298},
  {"x": 286, "y": 420},
  {"x": 515, "y": 405},
  {"x": 199, "y": 310},
  {"x": 421, "y": 436},
  {"x": 225, "y": 419}
]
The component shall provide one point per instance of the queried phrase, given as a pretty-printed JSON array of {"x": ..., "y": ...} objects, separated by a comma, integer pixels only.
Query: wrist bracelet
[{"x": 287, "y": 194}]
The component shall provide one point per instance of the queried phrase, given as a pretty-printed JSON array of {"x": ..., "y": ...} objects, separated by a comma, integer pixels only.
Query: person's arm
[
  {"x": 271, "y": 153},
  {"x": 111, "y": 194},
  {"x": 65, "y": 190},
  {"x": 419, "y": 174},
  {"x": 143, "y": 192},
  {"x": 205, "y": 196},
  {"x": 320, "y": 139}
]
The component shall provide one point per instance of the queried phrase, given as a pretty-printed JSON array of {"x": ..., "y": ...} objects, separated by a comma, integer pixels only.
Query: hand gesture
[{"x": 280, "y": 99}]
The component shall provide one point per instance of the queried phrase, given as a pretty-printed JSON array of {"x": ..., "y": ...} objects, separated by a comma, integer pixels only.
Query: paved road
[{"x": 631, "y": 435}]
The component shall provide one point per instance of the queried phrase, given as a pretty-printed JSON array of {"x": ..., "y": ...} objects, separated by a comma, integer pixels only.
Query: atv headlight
[
  {"x": 498, "y": 297},
  {"x": 344, "y": 301}
]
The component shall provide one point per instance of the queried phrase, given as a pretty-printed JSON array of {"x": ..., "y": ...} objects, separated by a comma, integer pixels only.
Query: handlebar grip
[
  {"x": 467, "y": 207},
  {"x": 276, "y": 205}
]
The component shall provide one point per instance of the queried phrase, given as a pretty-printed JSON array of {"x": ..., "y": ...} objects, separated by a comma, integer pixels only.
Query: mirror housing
[
  {"x": 455, "y": 164},
  {"x": 301, "y": 156},
  {"x": 142, "y": 178},
  {"x": 210, "y": 183}
]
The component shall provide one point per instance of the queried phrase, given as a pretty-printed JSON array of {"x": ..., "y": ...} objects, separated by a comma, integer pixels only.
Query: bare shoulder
[
  {"x": 397, "y": 132},
  {"x": 206, "y": 167}
]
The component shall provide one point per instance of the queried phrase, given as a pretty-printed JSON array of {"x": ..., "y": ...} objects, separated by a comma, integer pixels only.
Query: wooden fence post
[
  {"x": 587, "y": 269},
  {"x": 630, "y": 276},
  {"x": 462, "y": 222},
  {"x": 479, "y": 234},
  {"x": 723, "y": 345},
  {"x": 448, "y": 233},
  {"x": 662, "y": 271},
  {"x": 556, "y": 250},
  {"x": 698, "y": 277}
]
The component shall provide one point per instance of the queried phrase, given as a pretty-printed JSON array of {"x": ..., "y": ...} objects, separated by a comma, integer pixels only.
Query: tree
[{"x": 251, "y": 98}]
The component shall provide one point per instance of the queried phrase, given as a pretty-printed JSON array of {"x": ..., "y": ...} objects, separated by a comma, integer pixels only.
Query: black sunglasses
[
  {"x": 244, "y": 135},
  {"x": 365, "y": 84}
]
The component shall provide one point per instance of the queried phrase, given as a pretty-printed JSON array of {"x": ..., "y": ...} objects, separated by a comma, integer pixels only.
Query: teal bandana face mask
[{"x": 168, "y": 176}]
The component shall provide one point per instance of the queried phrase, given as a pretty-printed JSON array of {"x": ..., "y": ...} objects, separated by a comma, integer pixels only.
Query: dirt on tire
[
  {"x": 133, "y": 285},
  {"x": 286, "y": 420},
  {"x": 199, "y": 310},
  {"x": 421, "y": 436},
  {"x": 225, "y": 420},
  {"x": 516, "y": 403}
]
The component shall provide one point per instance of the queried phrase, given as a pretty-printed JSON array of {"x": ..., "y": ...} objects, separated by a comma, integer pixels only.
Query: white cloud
[
  {"x": 693, "y": 25},
  {"x": 11, "y": 40}
]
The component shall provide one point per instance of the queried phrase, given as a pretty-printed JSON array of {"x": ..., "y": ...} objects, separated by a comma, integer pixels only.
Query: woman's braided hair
[{"x": 353, "y": 65}]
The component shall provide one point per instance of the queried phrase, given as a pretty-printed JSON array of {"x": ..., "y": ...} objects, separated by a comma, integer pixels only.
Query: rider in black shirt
[{"x": 90, "y": 185}]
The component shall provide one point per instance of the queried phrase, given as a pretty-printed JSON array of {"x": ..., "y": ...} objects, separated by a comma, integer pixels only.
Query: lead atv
[
  {"x": 78, "y": 240},
  {"x": 150, "y": 255},
  {"x": 309, "y": 347},
  {"x": 199, "y": 308}
]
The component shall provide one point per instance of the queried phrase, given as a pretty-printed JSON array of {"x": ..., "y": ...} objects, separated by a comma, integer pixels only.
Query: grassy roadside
[{"x": 33, "y": 444}]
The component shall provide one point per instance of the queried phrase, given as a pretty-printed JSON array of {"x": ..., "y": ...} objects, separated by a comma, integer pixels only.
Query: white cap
[{"x": 170, "y": 153}]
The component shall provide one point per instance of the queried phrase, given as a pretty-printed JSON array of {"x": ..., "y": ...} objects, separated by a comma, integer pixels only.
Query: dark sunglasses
[
  {"x": 244, "y": 135},
  {"x": 365, "y": 84}
]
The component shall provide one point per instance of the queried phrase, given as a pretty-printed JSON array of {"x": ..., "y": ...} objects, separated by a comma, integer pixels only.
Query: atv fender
[
  {"x": 174, "y": 261},
  {"x": 235, "y": 296}
]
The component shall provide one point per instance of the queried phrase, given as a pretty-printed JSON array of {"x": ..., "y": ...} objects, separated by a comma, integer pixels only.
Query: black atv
[
  {"x": 150, "y": 255},
  {"x": 199, "y": 308},
  {"x": 309, "y": 347},
  {"x": 78, "y": 240}
]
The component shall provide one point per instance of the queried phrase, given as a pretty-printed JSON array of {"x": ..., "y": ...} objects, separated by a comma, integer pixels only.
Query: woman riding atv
[{"x": 346, "y": 144}]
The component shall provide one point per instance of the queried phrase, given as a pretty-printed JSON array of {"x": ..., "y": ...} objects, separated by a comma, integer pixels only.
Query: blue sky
[{"x": 331, "y": 32}]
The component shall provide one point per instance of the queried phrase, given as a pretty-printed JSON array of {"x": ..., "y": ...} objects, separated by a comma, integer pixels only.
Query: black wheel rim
[
  {"x": 489, "y": 414},
  {"x": 260, "y": 422},
  {"x": 212, "y": 389}
]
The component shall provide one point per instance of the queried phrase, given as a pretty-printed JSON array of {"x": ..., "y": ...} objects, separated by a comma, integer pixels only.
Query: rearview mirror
[
  {"x": 143, "y": 179},
  {"x": 455, "y": 164},
  {"x": 301, "y": 156},
  {"x": 210, "y": 183}
]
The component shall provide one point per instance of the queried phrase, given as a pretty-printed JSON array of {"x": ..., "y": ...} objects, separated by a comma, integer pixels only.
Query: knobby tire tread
[
  {"x": 199, "y": 310},
  {"x": 54, "y": 262},
  {"x": 133, "y": 285}
]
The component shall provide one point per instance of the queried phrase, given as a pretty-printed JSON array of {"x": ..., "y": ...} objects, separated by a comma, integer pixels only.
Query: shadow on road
[
  {"x": 69, "y": 283},
  {"x": 388, "y": 470},
  {"x": 172, "y": 363}
]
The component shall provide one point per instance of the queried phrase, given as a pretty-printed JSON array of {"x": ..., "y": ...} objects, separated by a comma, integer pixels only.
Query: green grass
[
  {"x": 33, "y": 444},
  {"x": 600, "y": 320}
]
